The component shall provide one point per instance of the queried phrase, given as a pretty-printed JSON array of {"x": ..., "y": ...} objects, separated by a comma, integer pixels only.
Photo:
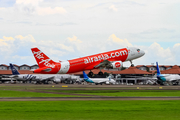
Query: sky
[{"x": 68, "y": 29}]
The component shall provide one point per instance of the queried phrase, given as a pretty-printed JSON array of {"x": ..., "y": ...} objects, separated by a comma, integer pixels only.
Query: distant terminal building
[
  {"x": 153, "y": 67},
  {"x": 23, "y": 69}
]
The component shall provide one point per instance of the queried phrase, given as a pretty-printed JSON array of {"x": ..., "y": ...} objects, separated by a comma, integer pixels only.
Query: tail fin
[
  {"x": 42, "y": 59},
  {"x": 13, "y": 69},
  {"x": 85, "y": 75},
  {"x": 158, "y": 71}
]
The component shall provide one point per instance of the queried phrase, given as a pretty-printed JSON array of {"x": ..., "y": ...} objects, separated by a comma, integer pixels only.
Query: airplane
[
  {"x": 97, "y": 81},
  {"x": 110, "y": 60},
  {"x": 169, "y": 78},
  {"x": 45, "y": 78}
]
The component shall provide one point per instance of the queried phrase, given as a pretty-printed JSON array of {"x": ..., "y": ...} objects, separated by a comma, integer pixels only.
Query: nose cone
[{"x": 142, "y": 52}]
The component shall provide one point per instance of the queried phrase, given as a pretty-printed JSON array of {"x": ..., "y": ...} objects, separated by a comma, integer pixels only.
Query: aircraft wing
[
  {"x": 171, "y": 80},
  {"x": 103, "y": 64},
  {"x": 13, "y": 76}
]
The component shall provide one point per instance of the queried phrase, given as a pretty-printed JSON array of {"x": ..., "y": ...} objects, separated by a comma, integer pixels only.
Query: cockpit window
[{"x": 138, "y": 50}]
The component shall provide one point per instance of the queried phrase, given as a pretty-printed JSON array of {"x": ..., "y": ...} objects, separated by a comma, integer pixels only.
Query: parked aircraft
[
  {"x": 109, "y": 60},
  {"x": 169, "y": 78},
  {"x": 45, "y": 78},
  {"x": 97, "y": 81}
]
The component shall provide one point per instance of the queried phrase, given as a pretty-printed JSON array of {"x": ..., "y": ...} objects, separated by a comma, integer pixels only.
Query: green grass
[
  {"x": 124, "y": 93},
  {"x": 8, "y": 93},
  {"x": 90, "y": 110}
]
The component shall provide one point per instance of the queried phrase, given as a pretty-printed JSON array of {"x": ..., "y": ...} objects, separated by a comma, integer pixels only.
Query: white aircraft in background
[
  {"x": 45, "y": 78},
  {"x": 169, "y": 78},
  {"x": 98, "y": 80}
]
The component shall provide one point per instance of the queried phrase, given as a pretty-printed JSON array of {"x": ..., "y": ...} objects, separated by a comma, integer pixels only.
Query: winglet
[
  {"x": 85, "y": 75},
  {"x": 157, "y": 67},
  {"x": 13, "y": 69}
]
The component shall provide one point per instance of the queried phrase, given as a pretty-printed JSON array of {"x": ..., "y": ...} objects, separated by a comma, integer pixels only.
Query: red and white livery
[{"x": 110, "y": 60}]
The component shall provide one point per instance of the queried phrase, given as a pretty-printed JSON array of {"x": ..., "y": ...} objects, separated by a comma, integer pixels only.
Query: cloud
[
  {"x": 68, "y": 48},
  {"x": 50, "y": 11},
  {"x": 18, "y": 48},
  {"x": 56, "y": 52},
  {"x": 177, "y": 45},
  {"x": 28, "y": 38},
  {"x": 156, "y": 53},
  {"x": 176, "y": 52},
  {"x": 159, "y": 51},
  {"x": 2, "y": 8},
  {"x": 119, "y": 41},
  {"x": 8, "y": 38},
  {"x": 27, "y": 2},
  {"x": 113, "y": 8},
  {"x": 3, "y": 43},
  {"x": 74, "y": 40},
  {"x": 34, "y": 7}
]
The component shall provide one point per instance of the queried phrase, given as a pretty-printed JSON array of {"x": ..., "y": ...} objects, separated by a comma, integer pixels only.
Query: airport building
[{"x": 23, "y": 69}]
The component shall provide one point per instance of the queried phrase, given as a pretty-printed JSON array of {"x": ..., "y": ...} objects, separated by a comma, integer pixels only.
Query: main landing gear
[
  {"x": 100, "y": 73},
  {"x": 91, "y": 74}
]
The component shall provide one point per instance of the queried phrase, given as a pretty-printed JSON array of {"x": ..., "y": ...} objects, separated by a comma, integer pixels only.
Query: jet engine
[
  {"x": 57, "y": 80},
  {"x": 107, "y": 83},
  {"x": 115, "y": 64}
]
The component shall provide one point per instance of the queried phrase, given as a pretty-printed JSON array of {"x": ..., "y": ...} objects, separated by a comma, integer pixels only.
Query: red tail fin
[{"x": 41, "y": 59}]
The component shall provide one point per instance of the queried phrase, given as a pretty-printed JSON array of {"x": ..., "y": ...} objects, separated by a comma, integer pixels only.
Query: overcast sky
[{"x": 67, "y": 29}]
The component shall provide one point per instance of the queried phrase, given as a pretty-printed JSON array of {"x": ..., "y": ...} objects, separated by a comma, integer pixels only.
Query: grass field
[
  {"x": 90, "y": 110},
  {"x": 125, "y": 93},
  {"x": 87, "y": 110},
  {"x": 10, "y": 93}
]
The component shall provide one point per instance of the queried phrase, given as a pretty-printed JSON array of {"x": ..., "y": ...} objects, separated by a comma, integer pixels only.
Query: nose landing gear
[{"x": 132, "y": 65}]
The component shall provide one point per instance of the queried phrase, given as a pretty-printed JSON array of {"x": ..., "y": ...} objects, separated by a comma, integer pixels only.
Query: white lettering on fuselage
[
  {"x": 105, "y": 56},
  {"x": 40, "y": 56}
]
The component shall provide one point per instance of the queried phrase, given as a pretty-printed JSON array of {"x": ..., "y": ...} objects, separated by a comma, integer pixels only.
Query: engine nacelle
[
  {"x": 57, "y": 80},
  {"x": 107, "y": 83},
  {"x": 116, "y": 64}
]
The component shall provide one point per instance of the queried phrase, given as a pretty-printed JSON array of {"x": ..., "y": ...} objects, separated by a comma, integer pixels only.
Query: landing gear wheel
[
  {"x": 91, "y": 74},
  {"x": 100, "y": 73},
  {"x": 132, "y": 65}
]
